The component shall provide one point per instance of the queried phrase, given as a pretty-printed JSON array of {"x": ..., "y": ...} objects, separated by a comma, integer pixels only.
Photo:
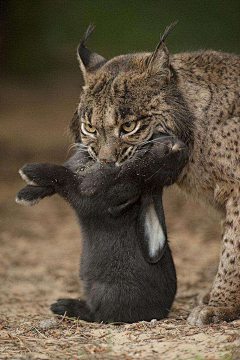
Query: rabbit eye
[
  {"x": 129, "y": 126},
  {"x": 88, "y": 128}
]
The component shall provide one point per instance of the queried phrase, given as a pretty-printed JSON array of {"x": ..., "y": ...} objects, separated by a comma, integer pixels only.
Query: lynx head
[{"x": 125, "y": 101}]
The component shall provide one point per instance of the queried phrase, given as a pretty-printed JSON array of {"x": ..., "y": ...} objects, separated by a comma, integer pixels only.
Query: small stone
[{"x": 46, "y": 324}]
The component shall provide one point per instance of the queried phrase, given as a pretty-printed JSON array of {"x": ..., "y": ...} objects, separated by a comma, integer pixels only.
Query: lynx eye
[
  {"x": 129, "y": 126},
  {"x": 88, "y": 128}
]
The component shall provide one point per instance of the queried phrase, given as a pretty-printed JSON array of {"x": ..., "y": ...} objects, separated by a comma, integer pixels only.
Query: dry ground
[{"x": 40, "y": 250}]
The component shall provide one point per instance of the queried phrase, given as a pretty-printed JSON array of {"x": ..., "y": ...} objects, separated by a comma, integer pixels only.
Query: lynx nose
[
  {"x": 107, "y": 154},
  {"x": 109, "y": 162}
]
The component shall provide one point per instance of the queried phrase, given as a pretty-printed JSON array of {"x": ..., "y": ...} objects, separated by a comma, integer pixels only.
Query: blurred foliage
[{"x": 41, "y": 36}]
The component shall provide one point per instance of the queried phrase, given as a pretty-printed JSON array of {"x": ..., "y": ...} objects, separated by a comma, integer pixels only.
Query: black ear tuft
[
  {"x": 167, "y": 31},
  {"x": 87, "y": 34},
  {"x": 158, "y": 62},
  {"x": 89, "y": 61}
]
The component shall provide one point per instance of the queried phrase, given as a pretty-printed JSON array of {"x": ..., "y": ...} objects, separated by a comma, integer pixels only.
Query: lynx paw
[{"x": 204, "y": 315}]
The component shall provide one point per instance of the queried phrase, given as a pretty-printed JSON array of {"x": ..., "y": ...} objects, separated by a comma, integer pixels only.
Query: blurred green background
[
  {"x": 40, "y": 37},
  {"x": 40, "y": 77}
]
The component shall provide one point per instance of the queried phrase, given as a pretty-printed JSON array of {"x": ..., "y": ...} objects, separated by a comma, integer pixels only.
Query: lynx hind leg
[
  {"x": 224, "y": 302},
  {"x": 72, "y": 308},
  {"x": 31, "y": 195}
]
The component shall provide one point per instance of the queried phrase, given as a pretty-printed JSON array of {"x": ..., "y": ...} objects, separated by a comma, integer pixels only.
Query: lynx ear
[
  {"x": 89, "y": 61},
  {"x": 158, "y": 62}
]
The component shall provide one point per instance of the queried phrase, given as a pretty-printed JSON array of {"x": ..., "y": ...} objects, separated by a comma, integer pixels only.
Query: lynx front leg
[{"x": 224, "y": 303}]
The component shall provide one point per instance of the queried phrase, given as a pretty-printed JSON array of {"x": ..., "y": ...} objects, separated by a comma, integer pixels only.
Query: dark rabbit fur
[{"x": 123, "y": 280}]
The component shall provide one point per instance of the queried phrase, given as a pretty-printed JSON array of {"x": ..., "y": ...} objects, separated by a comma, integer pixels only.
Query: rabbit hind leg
[
  {"x": 72, "y": 308},
  {"x": 31, "y": 195}
]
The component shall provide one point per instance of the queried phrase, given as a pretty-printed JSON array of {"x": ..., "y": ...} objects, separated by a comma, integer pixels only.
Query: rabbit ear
[{"x": 152, "y": 237}]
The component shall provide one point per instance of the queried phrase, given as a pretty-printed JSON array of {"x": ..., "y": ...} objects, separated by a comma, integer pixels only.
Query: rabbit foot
[
  {"x": 43, "y": 174},
  {"x": 31, "y": 195},
  {"x": 24, "y": 202},
  {"x": 204, "y": 315},
  {"x": 26, "y": 178},
  {"x": 72, "y": 308},
  {"x": 40, "y": 174}
]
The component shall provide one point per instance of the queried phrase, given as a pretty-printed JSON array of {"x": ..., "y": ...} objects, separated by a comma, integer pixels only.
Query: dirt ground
[{"x": 40, "y": 251}]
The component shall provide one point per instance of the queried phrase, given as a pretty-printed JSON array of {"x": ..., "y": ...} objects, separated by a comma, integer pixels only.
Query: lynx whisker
[
  {"x": 77, "y": 146},
  {"x": 154, "y": 140},
  {"x": 153, "y": 175}
]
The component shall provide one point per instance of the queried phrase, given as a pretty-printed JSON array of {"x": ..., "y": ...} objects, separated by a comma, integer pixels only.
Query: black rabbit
[{"x": 126, "y": 266}]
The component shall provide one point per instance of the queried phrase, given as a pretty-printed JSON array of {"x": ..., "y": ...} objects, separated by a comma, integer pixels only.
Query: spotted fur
[{"x": 193, "y": 96}]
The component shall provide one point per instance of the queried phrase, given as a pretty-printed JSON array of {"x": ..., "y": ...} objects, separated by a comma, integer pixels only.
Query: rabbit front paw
[
  {"x": 31, "y": 195},
  {"x": 42, "y": 174}
]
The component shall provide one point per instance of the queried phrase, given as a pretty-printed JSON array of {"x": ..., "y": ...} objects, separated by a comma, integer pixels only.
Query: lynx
[{"x": 192, "y": 96}]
